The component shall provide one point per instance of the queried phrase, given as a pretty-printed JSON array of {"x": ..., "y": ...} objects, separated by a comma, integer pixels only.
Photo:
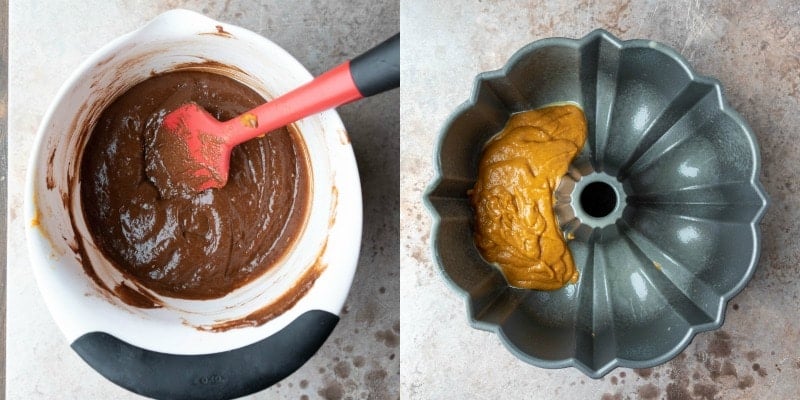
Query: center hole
[{"x": 598, "y": 199}]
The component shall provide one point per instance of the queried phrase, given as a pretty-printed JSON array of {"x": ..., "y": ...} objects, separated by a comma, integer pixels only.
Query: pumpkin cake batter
[{"x": 515, "y": 224}]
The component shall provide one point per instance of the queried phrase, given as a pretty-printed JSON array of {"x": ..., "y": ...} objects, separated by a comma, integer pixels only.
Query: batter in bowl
[{"x": 192, "y": 245}]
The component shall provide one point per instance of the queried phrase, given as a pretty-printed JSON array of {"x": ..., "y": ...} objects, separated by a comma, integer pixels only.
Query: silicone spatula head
[{"x": 188, "y": 152}]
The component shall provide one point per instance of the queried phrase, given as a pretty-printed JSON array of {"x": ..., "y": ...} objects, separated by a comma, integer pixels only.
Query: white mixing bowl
[{"x": 57, "y": 232}]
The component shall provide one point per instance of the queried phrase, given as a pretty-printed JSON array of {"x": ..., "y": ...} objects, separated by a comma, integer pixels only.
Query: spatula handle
[
  {"x": 378, "y": 69},
  {"x": 373, "y": 72}
]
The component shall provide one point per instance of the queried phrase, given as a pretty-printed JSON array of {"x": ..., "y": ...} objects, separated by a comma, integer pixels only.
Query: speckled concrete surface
[
  {"x": 47, "y": 42},
  {"x": 753, "y": 48}
]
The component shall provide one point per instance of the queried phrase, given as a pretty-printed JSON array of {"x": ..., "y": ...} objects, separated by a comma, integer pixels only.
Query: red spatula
[{"x": 191, "y": 150}]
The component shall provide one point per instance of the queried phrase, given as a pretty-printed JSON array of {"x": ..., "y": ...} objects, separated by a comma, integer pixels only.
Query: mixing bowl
[
  {"x": 661, "y": 208},
  {"x": 184, "y": 349}
]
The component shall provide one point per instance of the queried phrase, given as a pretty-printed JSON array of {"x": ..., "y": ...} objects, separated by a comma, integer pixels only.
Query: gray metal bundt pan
[{"x": 682, "y": 239}]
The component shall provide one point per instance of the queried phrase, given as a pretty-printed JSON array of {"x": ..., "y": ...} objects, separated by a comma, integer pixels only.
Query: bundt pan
[{"x": 661, "y": 207}]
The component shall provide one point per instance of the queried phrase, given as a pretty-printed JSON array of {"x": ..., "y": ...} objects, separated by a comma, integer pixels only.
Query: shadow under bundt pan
[{"x": 662, "y": 205}]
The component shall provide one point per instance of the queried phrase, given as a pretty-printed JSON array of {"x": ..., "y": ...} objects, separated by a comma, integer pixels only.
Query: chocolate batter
[{"x": 193, "y": 245}]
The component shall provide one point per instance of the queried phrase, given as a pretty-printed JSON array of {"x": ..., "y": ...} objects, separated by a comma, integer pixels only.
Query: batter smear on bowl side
[
  {"x": 520, "y": 168},
  {"x": 192, "y": 245}
]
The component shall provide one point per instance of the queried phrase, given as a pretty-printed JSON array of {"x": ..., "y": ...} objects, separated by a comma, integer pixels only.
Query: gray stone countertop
[
  {"x": 48, "y": 40},
  {"x": 753, "y": 48}
]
